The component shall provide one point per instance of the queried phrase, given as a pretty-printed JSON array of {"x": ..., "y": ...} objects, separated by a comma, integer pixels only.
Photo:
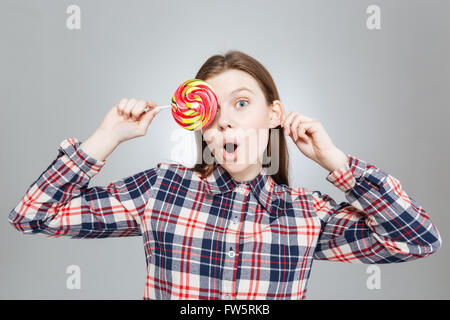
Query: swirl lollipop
[{"x": 194, "y": 104}]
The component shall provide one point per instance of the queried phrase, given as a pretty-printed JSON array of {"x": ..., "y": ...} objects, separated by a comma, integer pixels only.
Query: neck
[{"x": 248, "y": 174}]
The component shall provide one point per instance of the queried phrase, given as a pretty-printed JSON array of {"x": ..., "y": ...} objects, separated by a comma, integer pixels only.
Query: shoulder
[
  {"x": 287, "y": 193},
  {"x": 294, "y": 192},
  {"x": 308, "y": 198},
  {"x": 175, "y": 171},
  {"x": 172, "y": 167}
]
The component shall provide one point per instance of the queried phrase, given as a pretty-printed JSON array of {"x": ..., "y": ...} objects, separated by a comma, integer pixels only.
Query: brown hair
[{"x": 241, "y": 61}]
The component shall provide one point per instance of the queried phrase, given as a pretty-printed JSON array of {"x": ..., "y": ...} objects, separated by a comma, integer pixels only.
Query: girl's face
[{"x": 243, "y": 120}]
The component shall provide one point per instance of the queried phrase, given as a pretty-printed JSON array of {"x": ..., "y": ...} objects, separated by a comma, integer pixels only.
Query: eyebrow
[
  {"x": 237, "y": 90},
  {"x": 241, "y": 89}
]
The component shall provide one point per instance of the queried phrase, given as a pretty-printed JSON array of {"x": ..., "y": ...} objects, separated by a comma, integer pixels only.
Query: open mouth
[
  {"x": 230, "y": 147},
  {"x": 230, "y": 150}
]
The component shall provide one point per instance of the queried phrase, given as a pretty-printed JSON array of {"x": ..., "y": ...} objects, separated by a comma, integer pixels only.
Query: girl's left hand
[{"x": 313, "y": 141}]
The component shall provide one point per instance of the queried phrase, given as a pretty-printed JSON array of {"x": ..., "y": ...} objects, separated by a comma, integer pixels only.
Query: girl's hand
[
  {"x": 128, "y": 120},
  {"x": 313, "y": 141}
]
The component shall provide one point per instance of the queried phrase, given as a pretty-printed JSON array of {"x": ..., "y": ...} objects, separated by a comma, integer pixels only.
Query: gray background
[{"x": 382, "y": 96}]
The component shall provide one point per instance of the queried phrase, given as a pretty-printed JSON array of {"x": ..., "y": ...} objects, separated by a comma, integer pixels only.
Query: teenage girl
[{"x": 232, "y": 228}]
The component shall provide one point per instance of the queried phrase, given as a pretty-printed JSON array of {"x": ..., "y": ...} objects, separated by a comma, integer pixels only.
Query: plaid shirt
[{"x": 216, "y": 238}]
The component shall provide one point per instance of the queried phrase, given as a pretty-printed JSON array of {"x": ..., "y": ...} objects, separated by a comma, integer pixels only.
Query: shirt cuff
[
  {"x": 89, "y": 165},
  {"x": 345, "y": 177}
]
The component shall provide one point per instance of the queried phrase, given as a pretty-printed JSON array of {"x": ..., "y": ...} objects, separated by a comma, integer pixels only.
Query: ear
[{"x": 276, "y": 114}]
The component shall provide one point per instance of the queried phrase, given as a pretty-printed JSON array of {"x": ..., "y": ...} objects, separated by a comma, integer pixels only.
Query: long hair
[{"x": 241, "y": 61}]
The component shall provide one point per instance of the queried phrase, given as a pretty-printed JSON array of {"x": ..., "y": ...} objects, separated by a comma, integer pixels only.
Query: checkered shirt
[{"x": 217, "y": 238}]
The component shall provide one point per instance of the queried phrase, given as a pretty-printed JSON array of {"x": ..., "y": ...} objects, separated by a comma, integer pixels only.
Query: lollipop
[{"x": 194, "y": 104}]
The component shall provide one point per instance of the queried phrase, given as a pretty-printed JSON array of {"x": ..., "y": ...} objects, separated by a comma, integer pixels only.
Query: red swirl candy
[{"x": 194, "y": 104}]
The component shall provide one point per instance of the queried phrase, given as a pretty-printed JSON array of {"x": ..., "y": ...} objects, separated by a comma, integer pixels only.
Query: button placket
[{"x": 230, "y": 249}]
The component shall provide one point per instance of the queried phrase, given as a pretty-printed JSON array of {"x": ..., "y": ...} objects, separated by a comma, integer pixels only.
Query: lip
[{"x": 230, "y": 156}]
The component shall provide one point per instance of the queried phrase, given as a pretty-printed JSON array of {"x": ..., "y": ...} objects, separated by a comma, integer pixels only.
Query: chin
[
  {"x": 235, "y": 167},
  {"x": 242, "y": 163}
]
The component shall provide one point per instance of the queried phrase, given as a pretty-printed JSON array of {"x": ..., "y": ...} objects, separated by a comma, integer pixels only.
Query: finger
[
  {"x": 122, "y": 103},
  {"x": 295, "y": 125},
  {"x": 284, "y": 117},
  {"x": 128, "y": 107},
  {"x": 294, "y": 115},
  {"x": 150, "y": 105},
  {"x": 300, "y": 127},
  {"x": 287, "y": 122},
  {"x": 138, "y": 109},
  {"x": 147, "y": 119},
  {"x": 304, "y": 127}
]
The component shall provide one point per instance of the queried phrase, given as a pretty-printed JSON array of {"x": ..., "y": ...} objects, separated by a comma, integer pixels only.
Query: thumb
[{"x": 147, "y": 118}]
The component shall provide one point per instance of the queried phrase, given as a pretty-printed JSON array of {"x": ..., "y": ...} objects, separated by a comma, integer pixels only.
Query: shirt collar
[{"x": 262, "y": 186}]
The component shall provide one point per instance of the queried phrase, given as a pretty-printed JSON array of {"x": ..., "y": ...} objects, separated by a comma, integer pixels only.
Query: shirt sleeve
[
  {"x": 60, "y": 203},
  {"x": 380, "y": 223}
]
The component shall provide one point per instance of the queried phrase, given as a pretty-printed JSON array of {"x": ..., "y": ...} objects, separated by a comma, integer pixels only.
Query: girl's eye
[{"x": 240, "y": 103}]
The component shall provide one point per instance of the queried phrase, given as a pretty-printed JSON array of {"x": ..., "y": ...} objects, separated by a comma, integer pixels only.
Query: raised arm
[
  {"x": 60, "y": 203},
  {"x": 380, "y": 223}
]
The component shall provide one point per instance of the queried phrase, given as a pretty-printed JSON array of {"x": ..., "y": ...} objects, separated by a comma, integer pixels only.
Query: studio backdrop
[{"x": 375, "y": 73}]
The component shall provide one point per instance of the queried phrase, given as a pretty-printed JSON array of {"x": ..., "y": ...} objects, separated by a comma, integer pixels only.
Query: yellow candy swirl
[{"x": 194, "y": 104}]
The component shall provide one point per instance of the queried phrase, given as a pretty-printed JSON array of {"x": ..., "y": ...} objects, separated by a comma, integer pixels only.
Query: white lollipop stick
[
  {"x": 169, "y": 106},
  {"x": 160, "y": 107}
]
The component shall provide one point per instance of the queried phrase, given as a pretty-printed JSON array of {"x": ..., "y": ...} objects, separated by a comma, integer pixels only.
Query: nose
[{"x": 223, "y": 120}]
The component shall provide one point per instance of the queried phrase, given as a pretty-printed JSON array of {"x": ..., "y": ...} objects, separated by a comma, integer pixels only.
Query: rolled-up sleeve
[{"x": 379, "y": 222}]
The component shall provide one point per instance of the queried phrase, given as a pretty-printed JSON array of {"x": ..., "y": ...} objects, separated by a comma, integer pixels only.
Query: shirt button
[
  {"x": 227, "y": 296},
  {"x": 235, "y": 220},
  {"x": 231, "y": 253}
]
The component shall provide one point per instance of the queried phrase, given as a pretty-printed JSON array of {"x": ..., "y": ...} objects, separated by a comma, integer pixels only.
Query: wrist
[
  {"x": 100, "y": 144},
  {"x": 107, "y": 137},
  {"x": 337, "y": 160}
]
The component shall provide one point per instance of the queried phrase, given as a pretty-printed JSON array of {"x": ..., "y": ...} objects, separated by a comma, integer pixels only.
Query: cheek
[
  {"x": 254, "y": 120},
  {"x": 256, "y": 142},
  {"x": 208, "y": 135}
]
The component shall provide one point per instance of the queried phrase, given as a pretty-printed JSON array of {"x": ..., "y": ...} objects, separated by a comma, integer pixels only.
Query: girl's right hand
[{"x": 128, "y": 120}]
